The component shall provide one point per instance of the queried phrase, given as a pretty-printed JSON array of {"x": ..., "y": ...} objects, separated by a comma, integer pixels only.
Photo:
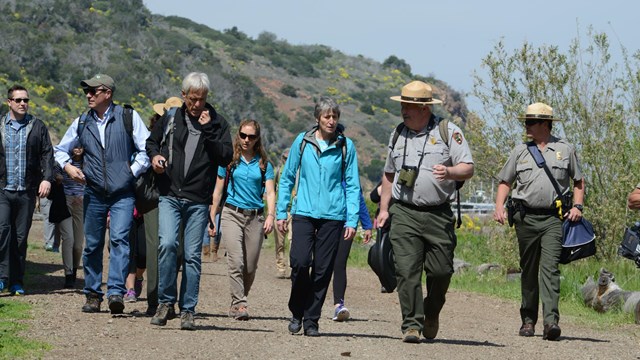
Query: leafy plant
[{"x": 599, "y": 102}]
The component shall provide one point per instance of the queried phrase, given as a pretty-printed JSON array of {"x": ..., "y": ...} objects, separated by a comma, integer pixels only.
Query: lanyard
[{"x": 426, "y": 138}]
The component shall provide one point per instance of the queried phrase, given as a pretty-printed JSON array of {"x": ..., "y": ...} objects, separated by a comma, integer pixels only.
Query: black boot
[{"x": 69, "y": 281}]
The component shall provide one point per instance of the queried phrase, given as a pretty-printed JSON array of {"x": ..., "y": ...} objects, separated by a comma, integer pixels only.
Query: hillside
[{"x": 50, "y": 45}]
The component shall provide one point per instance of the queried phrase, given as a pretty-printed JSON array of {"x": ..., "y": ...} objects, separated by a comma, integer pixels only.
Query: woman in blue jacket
[{"x": 323, "y": 211}]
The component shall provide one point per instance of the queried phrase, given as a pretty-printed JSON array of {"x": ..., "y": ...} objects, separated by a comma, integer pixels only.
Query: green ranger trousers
[
  {"x": 151, "y": 238},
  {"x": 422, "y": 240},
  {"x": 540, "y": 243}
]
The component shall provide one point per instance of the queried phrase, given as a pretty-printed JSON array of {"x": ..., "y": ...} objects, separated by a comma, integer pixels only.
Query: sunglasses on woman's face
[{"x": 251, "y": 136}]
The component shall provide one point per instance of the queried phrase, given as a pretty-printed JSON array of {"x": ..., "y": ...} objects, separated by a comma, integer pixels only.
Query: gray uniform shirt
[
  {"x": 532, "y": 185},
  {"x": 427, "y": 191}
]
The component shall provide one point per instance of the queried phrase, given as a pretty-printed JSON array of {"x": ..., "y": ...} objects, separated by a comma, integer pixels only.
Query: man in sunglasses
[
  {"x": 186, "y": 166},
  {"x": 26, "y": 171},
  {"x": 113, "y": 157},
  {"x": 537, "y": 219}
]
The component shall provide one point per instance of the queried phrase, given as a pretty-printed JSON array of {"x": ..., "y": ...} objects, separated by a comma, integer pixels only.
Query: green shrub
[{"x": 289, "y": 90}]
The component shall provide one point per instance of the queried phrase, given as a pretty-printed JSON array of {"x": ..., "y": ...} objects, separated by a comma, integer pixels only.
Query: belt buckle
[{"x": 246, "y": 212}]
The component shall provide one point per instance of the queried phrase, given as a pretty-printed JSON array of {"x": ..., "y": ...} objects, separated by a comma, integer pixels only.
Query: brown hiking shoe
[
  {"x": 93, "y": 303},
  {"x": 527, "y": 330},
  {"x": 214, "y": 251},
  {"x": 431, "y": 326},
  {"x": 205, "y": 250},
  {"x": 163, "y": 313},
  {"x": 412, "y": 336},
  {"x": 186, "y": 321},
  {"x": 239, "y": 312}
]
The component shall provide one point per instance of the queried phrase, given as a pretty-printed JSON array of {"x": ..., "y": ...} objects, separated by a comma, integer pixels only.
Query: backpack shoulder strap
[
  {"x": 263, "y": 175},
  {"x": 82, "y": 122},
  {"x": 168, "y": 131},
  {"x": 344, "y": 156},
  {"x": 396, "y": 134},
  {"x": 443, "y": 127},
  {"x": 227, "y": 178},
  {"x": 127, "y": 117}
]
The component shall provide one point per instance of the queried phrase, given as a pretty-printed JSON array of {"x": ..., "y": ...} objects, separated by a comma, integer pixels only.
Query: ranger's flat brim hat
[
  {"x": 417, "y": 92},
  {"x": 539, "y": 111},
  {"x": 99, "y": 80},
  {"x": 173, "y": 101}
]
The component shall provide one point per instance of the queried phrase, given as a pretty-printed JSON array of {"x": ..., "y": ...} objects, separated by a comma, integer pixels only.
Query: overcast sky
[{"x": 446, "y": 39}]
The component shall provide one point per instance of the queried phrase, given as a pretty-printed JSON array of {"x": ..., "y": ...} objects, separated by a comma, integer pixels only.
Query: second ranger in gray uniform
[{"x": 537, "y": 220}]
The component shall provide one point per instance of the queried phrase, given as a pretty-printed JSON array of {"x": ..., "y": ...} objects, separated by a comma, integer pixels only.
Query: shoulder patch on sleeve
[{"x": 457, "y": 136}]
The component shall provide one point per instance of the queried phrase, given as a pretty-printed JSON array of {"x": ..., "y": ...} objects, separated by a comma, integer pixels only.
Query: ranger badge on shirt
[{"x": 458, "y": 137}]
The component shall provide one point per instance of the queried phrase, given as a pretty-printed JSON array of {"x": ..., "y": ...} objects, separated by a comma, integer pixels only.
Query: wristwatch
[{"x": 579, "y": 207}]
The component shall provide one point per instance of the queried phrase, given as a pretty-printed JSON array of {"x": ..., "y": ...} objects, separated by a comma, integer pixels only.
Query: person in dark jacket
[
  {"x": 26, "y": 170},
  {"x": 113, "y": 158},
  {"x": 200, "y": 142}
]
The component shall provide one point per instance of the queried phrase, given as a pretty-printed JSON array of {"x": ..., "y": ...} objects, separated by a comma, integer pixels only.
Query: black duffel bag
[
  {"x": 146, "y": 192},
  {"x": 578, "y": 240},
  {"x": 381, "y": 260}
]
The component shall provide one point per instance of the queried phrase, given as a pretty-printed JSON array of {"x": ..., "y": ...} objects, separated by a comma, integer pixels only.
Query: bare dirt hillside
[{"x": 472, "y": 326}]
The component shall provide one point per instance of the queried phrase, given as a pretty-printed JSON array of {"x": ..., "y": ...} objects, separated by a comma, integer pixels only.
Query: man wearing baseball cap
[
  {"x": 420, "y": 175},
  {"x": 114, "y": 155}
]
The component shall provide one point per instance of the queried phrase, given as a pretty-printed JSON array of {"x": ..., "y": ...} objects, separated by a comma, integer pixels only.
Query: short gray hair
[
  {"x": 196, "y": 81},
  {"x": 324, "y": 105}
]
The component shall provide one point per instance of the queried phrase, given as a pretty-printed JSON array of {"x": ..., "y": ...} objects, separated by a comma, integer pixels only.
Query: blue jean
[
  {"x": 193, "y": 216},
  {"x": 96, "y": 208},
  {"x": 206, "y": 240}
]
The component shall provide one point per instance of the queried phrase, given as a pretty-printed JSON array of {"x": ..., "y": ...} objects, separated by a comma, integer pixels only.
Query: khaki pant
[
  {"x": 242, "y": 236},
  {"x": 280, "y": 245},
  {"x": 73, "y": 240}
]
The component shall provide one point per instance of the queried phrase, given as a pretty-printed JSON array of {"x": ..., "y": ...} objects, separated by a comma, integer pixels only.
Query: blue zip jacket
[{"x": 320, "y": 194}]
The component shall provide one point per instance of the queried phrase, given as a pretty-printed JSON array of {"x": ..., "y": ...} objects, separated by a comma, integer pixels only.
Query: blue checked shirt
[{"x": 16, "y": 153}]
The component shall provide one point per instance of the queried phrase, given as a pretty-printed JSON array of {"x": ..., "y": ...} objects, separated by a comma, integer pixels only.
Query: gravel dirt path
[{"x": 472, "y": 326}]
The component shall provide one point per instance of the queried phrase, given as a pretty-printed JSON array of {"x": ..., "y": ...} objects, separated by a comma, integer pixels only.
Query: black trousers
[
  {"x": 340, "y": 270},
  {"x": 137, "y": 246},
  {"x": 16, "y": 211},
  {"x": 312, "y": 255}
]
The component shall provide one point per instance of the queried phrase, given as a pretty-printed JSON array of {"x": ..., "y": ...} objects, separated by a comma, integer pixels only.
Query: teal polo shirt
[{"x": 245, "y": 186}]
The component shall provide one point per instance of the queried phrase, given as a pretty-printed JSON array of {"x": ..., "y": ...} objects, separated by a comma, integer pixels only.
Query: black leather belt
[
  {"x": 247, "y": 212},
  {"x": 540, "y": 211},
  {"x": 442, "y": 206}
]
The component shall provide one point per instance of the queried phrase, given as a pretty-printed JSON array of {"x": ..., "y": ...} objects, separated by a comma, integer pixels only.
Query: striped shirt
[{"x": 71, "y": 187}]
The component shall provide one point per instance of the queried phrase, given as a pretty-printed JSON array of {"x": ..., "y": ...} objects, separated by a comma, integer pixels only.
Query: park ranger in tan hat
[
  {"x": 420, "y": 176},
  {"x": 535, "y": 215}
]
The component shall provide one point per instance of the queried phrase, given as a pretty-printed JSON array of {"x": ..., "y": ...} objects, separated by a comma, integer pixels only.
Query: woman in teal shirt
[{"x": 243, "y": 222}]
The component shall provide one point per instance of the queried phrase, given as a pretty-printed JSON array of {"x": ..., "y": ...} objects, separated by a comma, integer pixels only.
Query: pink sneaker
[{"x": 130, "y": 296}]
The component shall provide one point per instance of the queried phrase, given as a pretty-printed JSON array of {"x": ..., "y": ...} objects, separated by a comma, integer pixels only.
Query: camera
[{"x": 408, "y": 175}]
